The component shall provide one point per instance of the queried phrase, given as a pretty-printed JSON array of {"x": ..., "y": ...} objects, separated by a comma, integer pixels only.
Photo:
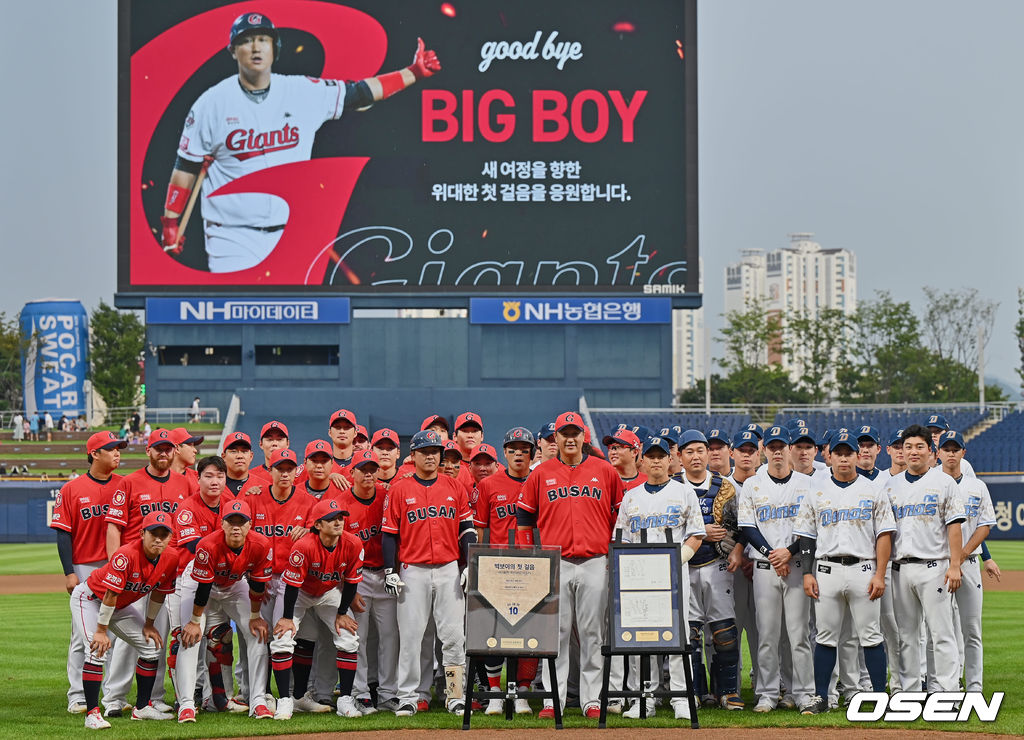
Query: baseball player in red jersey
[
  {"x": 185, "y": 452},
  {"x": 624, "y": 454},
  {"x": 494, "y": 514},
  {"x": 225, "y": 581},
  {"x": 364, "y": 503},
  {"x": 573, "y": 501},
  {"x": 108, "y": 600},
  {"x": 362, "y": 441},
  {"x": 324, "y": 569},
  {"x": 342, "y": 430},
  {"x": 81, "y": 531},
  {"x": 316, "y": 479},
  {"x": 427, "y": 524},
  {"x": 238, "y": 457},
  {"x": 483, "y": 463},
  {"x": 196, "y": 517},
  {"x": 469, "y": 432},
  {"x": 257, "y": 120},
  {"x": 273, "y": 437},
  {"x": 451, "y": 461},
  {"x": 152, "y": 488},
  {"x": 387, "y": 447}
]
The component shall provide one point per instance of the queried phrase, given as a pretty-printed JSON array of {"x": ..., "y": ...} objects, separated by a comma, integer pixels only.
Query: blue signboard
[
  {"x": 570, "y": 311},
  {"x": 54, "y": 364},
  {"x": 248, "y": 311}
]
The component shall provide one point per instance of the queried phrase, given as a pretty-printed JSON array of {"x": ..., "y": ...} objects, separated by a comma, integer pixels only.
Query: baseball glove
[{"x": 725, "y": 511}]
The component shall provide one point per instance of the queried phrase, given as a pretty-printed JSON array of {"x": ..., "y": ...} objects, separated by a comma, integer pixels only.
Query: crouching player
[
  {"x": 318, "y": 565},
  {"x": 107, "y": 601},
  {"x": 226, "y": 581}
]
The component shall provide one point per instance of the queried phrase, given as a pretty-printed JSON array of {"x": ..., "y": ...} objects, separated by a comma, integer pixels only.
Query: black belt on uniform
[
  {"x": 908, "y": 561},
  {"x": 264, "y": 229},
  {"x": 582, "y": 559},
  {"x": 842, "y": 559},
  {"x": 370, "y": 567}
]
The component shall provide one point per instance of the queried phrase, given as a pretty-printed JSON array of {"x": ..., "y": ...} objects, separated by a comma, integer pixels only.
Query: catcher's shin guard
[
  {"x": 700, "y": 678},
  {"x": 727, "y": 655}
]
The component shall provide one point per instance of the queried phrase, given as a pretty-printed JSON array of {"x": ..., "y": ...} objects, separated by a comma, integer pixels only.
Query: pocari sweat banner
[{"x": 54, "y": 364}]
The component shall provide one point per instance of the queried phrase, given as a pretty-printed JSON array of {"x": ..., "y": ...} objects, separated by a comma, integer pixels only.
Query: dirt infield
[
  {"x": 668, "y": 733},
  {"x": 1013, "y": 580}
]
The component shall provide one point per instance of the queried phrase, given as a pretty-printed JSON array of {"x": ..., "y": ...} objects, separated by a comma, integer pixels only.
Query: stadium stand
[
  {"x": 998, "y": 449},
  {"x": 606, "y": 421}
]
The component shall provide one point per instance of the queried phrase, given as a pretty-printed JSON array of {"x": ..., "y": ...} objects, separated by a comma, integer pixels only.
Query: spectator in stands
[
  {"x": 82, "y": 424},
  {"x": 33, "y": 427},
  {"x": 48, "y": 426},
  {"x": 18, "y": 425},
  {"x": 3, "y": 468},
  {"x": 74, "y": 474},
  {"x": 196, "y": 415},
  {"x": 124, "y": 433},
  {"x": 43, "y": 476},
  {"x": 62, "y": 423},
  {"x": 146, "y": 431},
  {"x": 135, "y": 423}
]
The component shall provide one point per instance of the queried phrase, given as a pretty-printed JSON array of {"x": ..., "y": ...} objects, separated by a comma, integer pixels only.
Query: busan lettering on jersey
[
  {"x": 431, "y": 512},
  {"x": 554, "y": 494},
  {"x": 274, "y": 530}
]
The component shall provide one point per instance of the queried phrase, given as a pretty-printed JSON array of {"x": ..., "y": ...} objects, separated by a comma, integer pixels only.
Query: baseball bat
[{"x": 191, "y": 204}]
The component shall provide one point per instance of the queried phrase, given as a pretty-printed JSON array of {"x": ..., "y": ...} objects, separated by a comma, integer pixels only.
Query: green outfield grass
[
  {"x": 1008, "y": 553},
  {"x": 32, "y": 667}
]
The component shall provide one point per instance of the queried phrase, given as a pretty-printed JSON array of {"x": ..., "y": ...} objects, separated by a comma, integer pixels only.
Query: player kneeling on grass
[
  {"x": 320, "y": 563},
  {"x": 845, "y": 526},
  {"x": 226, "y": 581},
  {"x": 658, "y": 505},
  {"x": 107, "y": 600}
]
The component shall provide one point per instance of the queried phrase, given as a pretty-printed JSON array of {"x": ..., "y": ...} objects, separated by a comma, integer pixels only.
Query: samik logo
[{"x": 907, "y": 706}]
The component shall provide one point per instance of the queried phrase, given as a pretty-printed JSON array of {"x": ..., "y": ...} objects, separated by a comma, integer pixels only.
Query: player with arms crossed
[
  {"x": 108, "y": 600},
  {"x": 225, "y": 582},
  {"x": 929, "y": 513},
  {"x": 253, "y": 121},
  {"x": 657, "y": 505},
  {"x": 844, "y": 527}
]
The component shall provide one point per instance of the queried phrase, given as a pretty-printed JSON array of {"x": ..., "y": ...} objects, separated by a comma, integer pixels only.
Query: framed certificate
[
  {"x": 512, "y": 600},
  {"x": 645, "y": 613}
]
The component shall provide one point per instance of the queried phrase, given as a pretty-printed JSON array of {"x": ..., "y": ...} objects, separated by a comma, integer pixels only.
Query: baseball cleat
[
  {"x": 593, "y": 711},
  {"x": 732, "y": 702},
  {"x": 764, "y": 706},
  {"x": 423, "y": 705},
  {"x": 308, "y": 704},
  {"x": 546, "y": 713},
  {"x": 162, "y": 706},
  {"x": 495, "y": 706},
  {"x": 388, "y": 705},
  {"x": 77, "y": 707},
  {"x": 94, "y": 720},
  {"x": 708, "y": 700},
  {"x": 261, "y": 711},
  {"x": 149, "y": 712},
  {"x": 615, "y": 706},
  {"x": 186, "y": 714},
  {"x": 116, "y": 709},
  {"x": 456, "y": 706},
  {"x": 681, "y": 709},
  {"x": 271, "y": 702},
  {"x": 240, "y": 703},
  {"x": 816, "y": 705},
  {"x": 787, "y": 702},
  {"x": 405, "y": 710},
  {"x": 347, "y": 707},
  {"x": 365, "y": 706},
  {"x": 285, "y": 707},
  {"x": 634, "y": 710},
  {"x": 523, "y": 707}
]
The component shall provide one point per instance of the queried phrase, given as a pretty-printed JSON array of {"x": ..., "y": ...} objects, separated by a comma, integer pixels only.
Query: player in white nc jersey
[
  {"x": 976, "y": 527},
  {"x": 769, "y": 502},
  {"x": 844, "y": 527},
  {"x": 926, "y": 567},
  {"x": 658, "y": 505},
  {"x": 254, "y": 121}
]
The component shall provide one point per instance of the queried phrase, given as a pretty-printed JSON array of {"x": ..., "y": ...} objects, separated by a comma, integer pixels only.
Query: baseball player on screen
[{"x": 253, "y": 121}]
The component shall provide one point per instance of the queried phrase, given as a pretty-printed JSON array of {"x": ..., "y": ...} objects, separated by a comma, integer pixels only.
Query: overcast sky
[{"x": 892, "y": 129}]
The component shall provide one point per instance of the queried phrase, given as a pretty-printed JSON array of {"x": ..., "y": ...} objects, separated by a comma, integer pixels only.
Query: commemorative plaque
[
  {"x": 512, "y": 601},
  {"x": 646, "y": 606}
]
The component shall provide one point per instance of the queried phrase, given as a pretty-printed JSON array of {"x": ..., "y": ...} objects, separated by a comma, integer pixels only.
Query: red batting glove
[
  {"x": 169, "y": 237},
  {"x": 424, "y": 62}
]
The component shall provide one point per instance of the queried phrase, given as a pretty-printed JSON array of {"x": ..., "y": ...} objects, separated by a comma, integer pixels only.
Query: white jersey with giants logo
[{"x": 245, "y": 136}]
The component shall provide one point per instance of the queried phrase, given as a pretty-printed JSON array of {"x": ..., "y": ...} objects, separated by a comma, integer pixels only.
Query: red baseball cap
[
  {"x": 327, "y": 508},
  {"x": 484, "y": 449},
  {"x": 238, "y": 438},
  {"x": 586, "y": 435},
  {"x": 623, "y": 437},
  {"x": 274, "y": 424},
  {"x": 282, "y": 455},
  {"x": 434, "y": 419},
  {"x": 159, "y": 437},
  {"x": 569, "y": 419},
  {"x": 450, "y": 448},
  {"x": 319, "y": 445},
  {"x": 103, "y": 441},
  {"x": 364, "y": 457},
  {"x": 469, "y": 418},
  {"x": 386, "y": 435},
  {"x": 361, "y": 432},
  {"x": 157, "y": 519},
  {"x": 342, "y": 415},
  {"x": 181, "y": 436},
  {"x": 238, "y": 507}
]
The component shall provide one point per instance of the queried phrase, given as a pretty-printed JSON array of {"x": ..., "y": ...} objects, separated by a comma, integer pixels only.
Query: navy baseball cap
[
  {"x": 547, "y": 431},
  {"x": 870, "y": 433},
  {"x": 746, "y": 437},
  {"x": 676, "y": 430},
  {"x": 895, "y": 437},
  {"x": 938, "y": 421},
  {"x": 796, "y": 423},
  {"x": 690, "y": 436},
  {"x": 952, "y": 436},
  {"x": 777, "y": 434},
  {"x": 826, "y": 437},
  {"x": 801, "y": 433},
  {"x": 424, "y": 439},
  {"x": 718, "y": 435},
  {"x": 640, "y": 431},
  {"x": 658, "y": 443},
  {"x": 669, "y": 434},
  {"x": 755, "y": 429},
  {"x": 844, "y": 440}
]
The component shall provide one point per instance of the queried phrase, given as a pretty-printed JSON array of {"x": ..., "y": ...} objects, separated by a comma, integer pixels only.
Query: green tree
[
  {"x": 116, "y": 341},
  {"x": 814, "y": 343},
  {"x": 749, "y": 337},
  {"x": 13, "y": 344}
]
